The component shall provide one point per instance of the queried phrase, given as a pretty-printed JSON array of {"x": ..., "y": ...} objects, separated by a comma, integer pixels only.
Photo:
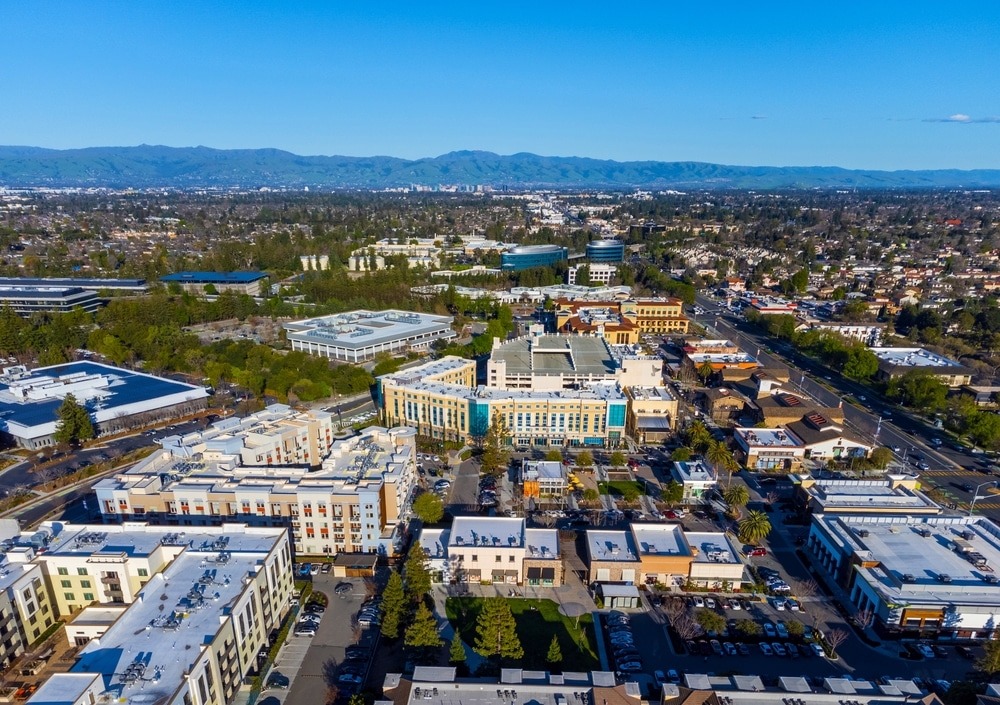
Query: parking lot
[{"x": 325, "y": 653}]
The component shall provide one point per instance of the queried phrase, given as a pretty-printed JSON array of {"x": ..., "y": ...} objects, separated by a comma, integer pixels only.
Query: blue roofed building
[
  {"x": 249, "y": 283},
  {"x": 117, "y": 399}
]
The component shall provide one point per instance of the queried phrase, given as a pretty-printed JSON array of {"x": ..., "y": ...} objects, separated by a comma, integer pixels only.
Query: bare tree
[
  {"x": 835, "y": 638},
  {"x": 371, "y": 587},
  {"x": 806, "y": 588},
  {"x": 356, "y": 632},
  {"x": 864, "y": 618},
  {"x": 771, "y": 497},
  {"x": 685, "y": 625}
]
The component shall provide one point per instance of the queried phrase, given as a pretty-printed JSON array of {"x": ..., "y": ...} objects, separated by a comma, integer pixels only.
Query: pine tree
[
  {"x": 423, "y": 633},
  {"x": 74, "y": 424},
  {"x": 418, "y": 578},
  {"x": 393, "y": 606},
  {"x": 456, "y": 652},
  {"x": 494, "y": 458},
  {"x": 554, "y": 656},
  {"x": 496, "y": 631}
]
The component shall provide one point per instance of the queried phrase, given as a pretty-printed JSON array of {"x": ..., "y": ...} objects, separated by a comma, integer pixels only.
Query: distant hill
[{"x": 190, "y": 167}]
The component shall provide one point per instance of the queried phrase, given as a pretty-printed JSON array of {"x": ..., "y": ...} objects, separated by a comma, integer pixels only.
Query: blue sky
[{"x": 888, "y": 85}]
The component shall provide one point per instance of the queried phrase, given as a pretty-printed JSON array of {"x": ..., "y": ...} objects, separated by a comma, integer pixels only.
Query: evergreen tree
[
  {"x": 74, "y": 424},
  {"x": 423, "y": 633},
  {"x": 418, "y": 578},
  {"x": 554, "y": 656},
  {"x": 393, "y": 606},
  {"x": 494, "y": 459},
  {"x": 496, "y": 631},
  {"x": 456, "y": 652}
]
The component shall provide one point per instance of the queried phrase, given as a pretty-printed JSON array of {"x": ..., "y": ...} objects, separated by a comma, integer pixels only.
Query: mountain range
[{"x": 147, "y": 166}]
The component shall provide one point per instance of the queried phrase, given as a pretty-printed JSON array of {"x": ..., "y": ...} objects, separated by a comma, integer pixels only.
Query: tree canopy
[
  {"x": 429, "y": 508},
  {"x": 496, "y": 631}
]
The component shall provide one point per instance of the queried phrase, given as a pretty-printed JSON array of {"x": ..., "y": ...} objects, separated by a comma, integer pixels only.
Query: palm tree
[
  {"x": 754, "y": 528},
  {"x": 705, "y": 371},
  {"x": 737, "y": 496},
  {"x": 719, "y": 455},
  {"x": 698, "y": 436}
]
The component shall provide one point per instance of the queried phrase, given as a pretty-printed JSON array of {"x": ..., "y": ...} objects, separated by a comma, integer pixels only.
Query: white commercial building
[
  {"x": 914, "y": 574},
  {"x": 361, "y": 335},
  {"x": 894, "y": 362},
  {"x": 697, "y": 478}
]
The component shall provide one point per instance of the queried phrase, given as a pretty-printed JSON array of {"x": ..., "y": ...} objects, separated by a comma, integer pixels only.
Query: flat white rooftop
[
  {"x": 362, "y": 329},
  {"x": 868, "y": 495},
  {"x": 938, "y": 559},
  {"x": 611, "y": 546},
  {"x": 693, "y": 471},
  {"x": 651, "y": 394},
  {"x": 660, "y": 539},
  {"x": 133, "y": 538},
  {"x": 711, "y": 547},
  {"x": 913, "y": 357},
  {"x": 494, "y": 532},
  {"x": 768, "y": 437}
]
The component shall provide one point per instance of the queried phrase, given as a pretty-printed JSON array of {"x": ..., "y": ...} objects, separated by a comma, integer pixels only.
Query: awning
[
  {"x": 497, "y": 574},
  {"x": 510, "y": 573},
  {"x": 548, "y": 573},
  {"x": 535, "y": 573}
]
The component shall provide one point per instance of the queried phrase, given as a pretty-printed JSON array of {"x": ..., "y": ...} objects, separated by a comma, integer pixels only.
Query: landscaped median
[{"x": 537, "y": 622}]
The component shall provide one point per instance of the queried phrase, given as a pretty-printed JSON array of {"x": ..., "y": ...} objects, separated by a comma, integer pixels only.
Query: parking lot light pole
[{"x": 975, "y": 494}]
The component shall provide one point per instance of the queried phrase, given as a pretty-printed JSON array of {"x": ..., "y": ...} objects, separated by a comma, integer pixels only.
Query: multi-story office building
[
  {"x": 249, "y": 283},
  {"x": 552, "y": 362},
  {"x": 361, "y": 335},
  {"x": 26, "y": 301},
  {"x": 528, "y": 256},
  {"x": 192, "y": 634},
  {"x": 606, "y": 251},
  {"x": 596, "y": 273},
  {"x": 127, "y": 286},
  {"x": 355, "y": 502}
]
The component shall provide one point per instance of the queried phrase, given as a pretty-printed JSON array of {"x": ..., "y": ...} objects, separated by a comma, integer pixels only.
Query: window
[
  {"x": 475, "y": 558},
  {"x": 64, "y": 571},
  {"x": 499, "y": 559},
  {"x": 66, "y": 583},
  {"x": 85, "y": 584},
  {"x": 510, "y": 559},
  {"x": 81, "y": 571},
  {"x": 143, "y": 572},
  {"x": 68, "y": 596}
]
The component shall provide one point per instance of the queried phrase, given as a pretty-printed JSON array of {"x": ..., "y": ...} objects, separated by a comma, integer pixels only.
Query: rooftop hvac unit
[
  {"x": 990, "y": 578},
  {"x": 863, "y": 533},
  {"x": 944, "y": 578},
  {"x": 909, "y": 578},
  {"x": 926, "y": 533}
]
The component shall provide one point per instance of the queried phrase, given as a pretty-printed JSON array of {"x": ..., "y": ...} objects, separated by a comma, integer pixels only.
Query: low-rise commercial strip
[
  {"x": 493, "y": 550},
  {"x": 916, "y": 575},
  {"x": 650, "y": 554},
  {"x": 336, "y": 493},
  {"x": 890, "y": 495}
]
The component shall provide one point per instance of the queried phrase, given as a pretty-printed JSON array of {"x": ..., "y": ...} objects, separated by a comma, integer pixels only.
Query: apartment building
[
  {"x": 26, "y": 611},
  {"x": 354, "y": 502},
  {"x": 192, "y": 635},
  {"x": 636, "y": 316}
]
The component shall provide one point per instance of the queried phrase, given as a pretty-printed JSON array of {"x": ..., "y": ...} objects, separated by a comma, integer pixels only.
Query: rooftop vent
[
  {"x": 991, "y": 578},
  {"x": 944, "y": 578},
  {"x": 926, "y": 533},
  {"x": 909, "y": 578},
  {"x": 863, "y": 533}
]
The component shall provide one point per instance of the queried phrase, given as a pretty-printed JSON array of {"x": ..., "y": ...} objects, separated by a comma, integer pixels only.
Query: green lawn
[
  {"x": 537, "y": 621},
  {"x": 618, "y": 487}
]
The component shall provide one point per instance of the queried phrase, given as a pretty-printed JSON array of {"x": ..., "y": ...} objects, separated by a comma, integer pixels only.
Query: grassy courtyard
[
  {"x": 537, "y": 621},
  {"x": 622, "y": 488}
]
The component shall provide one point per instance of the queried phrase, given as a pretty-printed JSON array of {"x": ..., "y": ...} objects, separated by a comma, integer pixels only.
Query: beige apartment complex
[
  {"x": 192, "y": 634},
  {"x": 354, "y": 502}
]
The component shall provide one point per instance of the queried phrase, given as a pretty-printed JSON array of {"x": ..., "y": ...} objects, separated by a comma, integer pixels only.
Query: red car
[{"x": 758, "y": 551}]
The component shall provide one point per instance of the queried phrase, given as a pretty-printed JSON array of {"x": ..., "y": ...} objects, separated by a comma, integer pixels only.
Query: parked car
[
  {"x": 766, "y": 649},
  {"x": 277, "y": 681},
  {"x": 730, "y": 648},
  {"x": 716, "y": 647},
  {"x": 743, "y": 649},
  {"x": 925, "y": 650},
  {"x": 782, "y": 630},
  {"x": 769, "y": 630},
  {"x": 817, "y": 649},
  {"x": 793, "y": 650},
  {"x": 779, "y": 649},
  {"x": 757, "y": 551}
]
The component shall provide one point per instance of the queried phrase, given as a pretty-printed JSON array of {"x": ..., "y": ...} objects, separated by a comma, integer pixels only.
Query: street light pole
[{"x": 975, "y": 495}]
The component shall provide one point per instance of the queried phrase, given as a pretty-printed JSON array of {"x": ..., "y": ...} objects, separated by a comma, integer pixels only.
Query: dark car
[
  {"x": 278, "y": 681},
  {"x": 355, "y": 652}
]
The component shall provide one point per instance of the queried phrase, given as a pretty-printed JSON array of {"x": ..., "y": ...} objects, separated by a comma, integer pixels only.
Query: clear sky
[{"x": 876, "y": 84}]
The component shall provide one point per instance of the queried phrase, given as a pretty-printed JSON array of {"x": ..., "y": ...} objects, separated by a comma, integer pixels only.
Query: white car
[{"x": 699, "y": 602}]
